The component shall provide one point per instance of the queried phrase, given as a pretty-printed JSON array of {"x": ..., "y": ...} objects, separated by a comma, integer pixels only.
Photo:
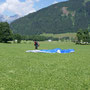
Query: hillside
[{"x": 62, "y": 17}]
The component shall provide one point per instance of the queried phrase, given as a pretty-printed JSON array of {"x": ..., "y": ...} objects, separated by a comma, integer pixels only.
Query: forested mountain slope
[{"x": 62, "y": 17}]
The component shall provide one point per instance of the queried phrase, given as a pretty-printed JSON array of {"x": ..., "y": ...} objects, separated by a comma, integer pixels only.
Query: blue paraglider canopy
[{"x": 56, "y": 50}]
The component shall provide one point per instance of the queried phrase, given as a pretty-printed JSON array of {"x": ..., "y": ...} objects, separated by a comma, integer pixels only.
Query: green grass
[
  {"x": 41, "y": 71},
  {"x": 71, "y": 35}
]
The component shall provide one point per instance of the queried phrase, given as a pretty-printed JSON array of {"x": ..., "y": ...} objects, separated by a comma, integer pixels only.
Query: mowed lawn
[{"x": 44, "y": 71}]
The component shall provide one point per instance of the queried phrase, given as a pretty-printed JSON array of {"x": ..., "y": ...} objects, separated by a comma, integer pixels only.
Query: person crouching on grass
[{"x": 36, "y": 44}]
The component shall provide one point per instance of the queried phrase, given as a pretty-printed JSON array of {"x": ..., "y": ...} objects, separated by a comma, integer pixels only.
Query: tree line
[{"x": 6, "y": 34}]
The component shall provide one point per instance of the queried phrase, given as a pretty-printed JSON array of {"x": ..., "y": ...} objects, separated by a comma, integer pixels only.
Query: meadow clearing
[{"x": 42, "y": 71}]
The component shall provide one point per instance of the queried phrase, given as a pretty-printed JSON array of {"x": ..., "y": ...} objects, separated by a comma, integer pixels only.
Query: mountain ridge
[
  {"x": 9, "y": 19},
  {"x": 63, "y": 17}
]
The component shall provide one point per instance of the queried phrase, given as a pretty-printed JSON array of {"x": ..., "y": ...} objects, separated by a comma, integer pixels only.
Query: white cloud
[
  {"x": 37, "y": 0},
  {"x": 55, "y": 2},
  {"x": 21, "y": 8}
]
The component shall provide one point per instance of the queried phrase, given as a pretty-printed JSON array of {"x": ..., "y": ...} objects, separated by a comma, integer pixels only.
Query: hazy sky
[{"x": 24, "y": 7}]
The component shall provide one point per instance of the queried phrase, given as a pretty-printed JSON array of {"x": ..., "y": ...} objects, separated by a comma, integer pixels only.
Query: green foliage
[
  {"x": 80, "y": 35},
  {"x": 54, "y": 20},
  {"x": 5, "y": 32},
  {"x": 43, "y": 71},
  {"x": 83, "y": 35},
  {"x": 44, "y": 37},
  {"x": 17, "y": 37},
  {"x": 38, "y": 38}
]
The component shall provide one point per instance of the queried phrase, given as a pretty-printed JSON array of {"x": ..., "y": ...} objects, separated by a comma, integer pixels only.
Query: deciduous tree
[{"x": 5, "y": 32}]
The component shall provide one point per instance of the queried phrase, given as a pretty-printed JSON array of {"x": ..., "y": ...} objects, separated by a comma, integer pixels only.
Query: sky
[{"x": 24, "y": 7}]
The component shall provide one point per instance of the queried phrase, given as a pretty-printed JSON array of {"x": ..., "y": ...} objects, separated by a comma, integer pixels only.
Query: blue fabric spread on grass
[{"x": 58, "y": 50}]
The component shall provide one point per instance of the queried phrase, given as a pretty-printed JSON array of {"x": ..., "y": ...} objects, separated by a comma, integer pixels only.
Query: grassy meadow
[
  {"x": 42, "y": 71},
  {"x": 70, "y": 35}
]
